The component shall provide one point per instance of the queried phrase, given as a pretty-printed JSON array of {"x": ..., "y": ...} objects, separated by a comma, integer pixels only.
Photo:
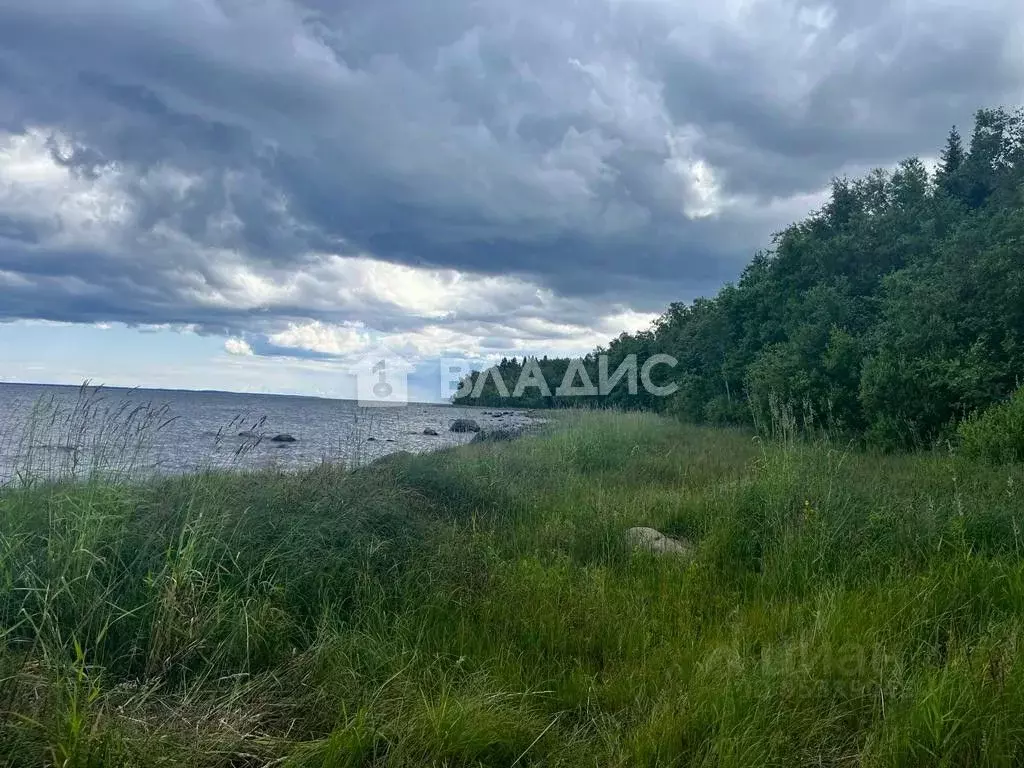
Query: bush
[{"x": 997, "y": 433}]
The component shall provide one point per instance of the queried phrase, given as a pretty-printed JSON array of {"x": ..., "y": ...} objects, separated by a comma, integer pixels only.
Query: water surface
[{"x": 58, "y": 431}]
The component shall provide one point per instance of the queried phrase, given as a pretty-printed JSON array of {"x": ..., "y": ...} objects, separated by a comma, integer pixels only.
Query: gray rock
[
  {"x": 430, "y": 432},
  {"x": 248, "y": 434},
  {"x": 652, "y": 540},
  {"x": 464, "y": 425},
  {"x": 283, "y": 439}
]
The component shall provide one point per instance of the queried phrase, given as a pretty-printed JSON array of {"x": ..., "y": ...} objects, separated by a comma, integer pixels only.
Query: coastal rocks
[
  {"x": 464, "y": 425},
  {"x": 652, "y": 540},
  {"x": 430, "y": 432},
  {"x": 501, "y": 434},
  {"x": 283, "y": 439}
]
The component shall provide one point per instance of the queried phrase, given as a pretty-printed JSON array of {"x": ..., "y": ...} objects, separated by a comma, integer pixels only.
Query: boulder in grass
[
  {"x": 652, "y": 540},
  {"x": 464, "y": 425},
  {"x": 283, "y": 439}
]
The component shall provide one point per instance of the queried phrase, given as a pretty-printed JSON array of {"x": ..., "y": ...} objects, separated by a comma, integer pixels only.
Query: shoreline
[{"x": 92, "y": 432}]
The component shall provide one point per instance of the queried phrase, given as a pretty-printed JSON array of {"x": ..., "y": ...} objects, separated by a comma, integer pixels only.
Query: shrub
[{"x": 997, "y": 433}]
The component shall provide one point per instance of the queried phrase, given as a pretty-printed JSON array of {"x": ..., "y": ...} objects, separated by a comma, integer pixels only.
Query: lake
[{"x": 60, "y": 431}]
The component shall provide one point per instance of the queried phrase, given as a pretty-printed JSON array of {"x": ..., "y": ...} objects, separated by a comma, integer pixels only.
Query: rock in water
[
  {"x": 652, "y": 540},
  {"x": 430, "y": 432},
  {"x": 464, "y": 425},
  {"x": 283, "y": 439}
]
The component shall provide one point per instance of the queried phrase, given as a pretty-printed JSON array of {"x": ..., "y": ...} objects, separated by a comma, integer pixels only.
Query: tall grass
[
  {"x": 479, "y": 606},
  {"x": 88, "y": 436},
  {"x": 101, "y": 435}
]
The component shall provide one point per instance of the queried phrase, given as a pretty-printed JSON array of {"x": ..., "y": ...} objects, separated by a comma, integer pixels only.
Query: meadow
[{"x": 481, "y": 607}]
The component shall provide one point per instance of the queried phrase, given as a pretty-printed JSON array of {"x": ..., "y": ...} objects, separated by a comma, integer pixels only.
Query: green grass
[{"x": 479, "y": 607}]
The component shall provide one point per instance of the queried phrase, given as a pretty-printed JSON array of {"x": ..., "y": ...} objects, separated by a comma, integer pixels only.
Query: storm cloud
[{"x": 305, "y": 177}]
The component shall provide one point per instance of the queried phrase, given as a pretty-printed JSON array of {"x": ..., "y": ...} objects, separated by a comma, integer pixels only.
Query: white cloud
[
  {"x": 238, "y": 347},
  {"x": 37, "y": 190},
  {"x": 477, "y": 340},
  {"x": 321, "y": 337},
  {"x": 325, "y": 303}
]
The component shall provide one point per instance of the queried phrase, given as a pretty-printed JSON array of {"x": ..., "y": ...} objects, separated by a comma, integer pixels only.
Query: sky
[{"x": 250, "y": 195}]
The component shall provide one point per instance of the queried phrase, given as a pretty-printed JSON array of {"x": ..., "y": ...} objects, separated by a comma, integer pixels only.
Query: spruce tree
[{"x": 951, "y": 160}]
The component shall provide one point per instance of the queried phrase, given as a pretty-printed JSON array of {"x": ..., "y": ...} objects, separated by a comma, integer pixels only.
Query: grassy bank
[{"x": 479, "y": 607}]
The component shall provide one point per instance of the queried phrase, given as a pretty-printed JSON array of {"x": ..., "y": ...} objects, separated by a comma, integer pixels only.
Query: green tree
[{"x": 894, "y": 311}]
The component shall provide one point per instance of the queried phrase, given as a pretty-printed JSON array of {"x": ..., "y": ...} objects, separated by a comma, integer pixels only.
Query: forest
[{"x": 892, "y": 314}]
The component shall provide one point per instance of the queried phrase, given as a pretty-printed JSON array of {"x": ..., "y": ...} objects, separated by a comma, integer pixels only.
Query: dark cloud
[{"x": 618, "y": 153}]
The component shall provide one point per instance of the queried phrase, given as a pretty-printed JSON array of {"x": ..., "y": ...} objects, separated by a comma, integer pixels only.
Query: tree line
[{"x": 893, "y": 312}]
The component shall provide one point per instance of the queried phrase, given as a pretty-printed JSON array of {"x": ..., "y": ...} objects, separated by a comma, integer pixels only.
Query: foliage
[
  {"x": 893, "y": 312},
  {"x": 997, "y": 433}
]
